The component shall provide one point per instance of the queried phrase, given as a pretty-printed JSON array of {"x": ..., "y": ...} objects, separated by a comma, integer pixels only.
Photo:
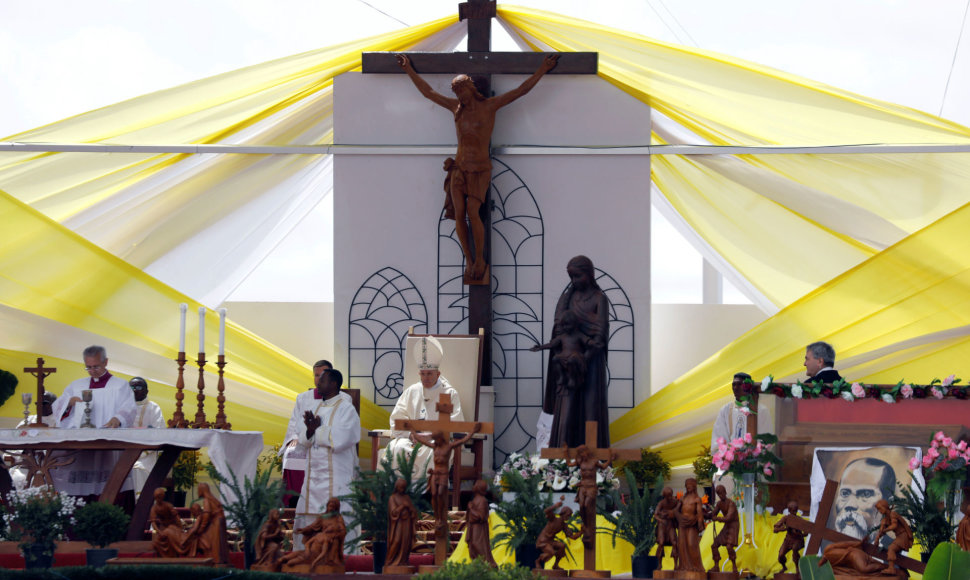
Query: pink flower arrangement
[
  {"x": 943, "y": 455},
  {"x": 747, "y": 455},
  {"x": 906, "y": 391},
  {"x": 858, "y": 391}
]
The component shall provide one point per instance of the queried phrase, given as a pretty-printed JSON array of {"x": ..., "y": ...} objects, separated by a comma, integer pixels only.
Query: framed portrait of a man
[{"x": 865, "y": 476}]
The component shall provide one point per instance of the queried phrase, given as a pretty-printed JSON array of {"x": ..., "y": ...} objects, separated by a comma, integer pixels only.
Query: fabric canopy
[{"x": 859, "y": 249}]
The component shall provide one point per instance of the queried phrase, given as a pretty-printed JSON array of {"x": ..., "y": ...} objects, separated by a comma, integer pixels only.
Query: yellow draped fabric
[
  {"x": 835, "y": 211},
  {"x": 865, "y": 251}
]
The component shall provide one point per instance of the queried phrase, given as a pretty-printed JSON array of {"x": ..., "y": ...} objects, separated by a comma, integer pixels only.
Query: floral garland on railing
[
  {"x": 850, "y": 392},
  {"x": 554, "y": 474}
]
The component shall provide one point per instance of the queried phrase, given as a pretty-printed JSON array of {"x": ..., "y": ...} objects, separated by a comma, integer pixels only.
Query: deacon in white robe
[
  {"x": 329, "y": 435},
  {"x": 419, "y": 402},
  {"x": 294, "y": 456},
  {"x": 732, "y": 424},
  {"x": 112, "y": 406},
  {"x": 148, "y": 416}
]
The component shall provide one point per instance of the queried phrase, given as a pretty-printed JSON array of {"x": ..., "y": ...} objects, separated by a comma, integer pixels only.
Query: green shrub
[
  {"x": 100, "y": 524},
  {"x": 8, "y": 385},
  {"x": 478, "y": 570}
]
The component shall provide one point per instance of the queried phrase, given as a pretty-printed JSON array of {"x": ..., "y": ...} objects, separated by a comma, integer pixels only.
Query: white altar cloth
[{"x": 238, "y": 450}]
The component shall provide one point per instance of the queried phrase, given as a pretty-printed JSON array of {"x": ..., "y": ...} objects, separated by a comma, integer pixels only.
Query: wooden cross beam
[
  {"x": 599, "y": 454},
  {"x": 479, "y": 63},
  {"x": 819, "y": 532},
  {"x": 41, "y": 373},
  {"x": 444, "y": 422}
]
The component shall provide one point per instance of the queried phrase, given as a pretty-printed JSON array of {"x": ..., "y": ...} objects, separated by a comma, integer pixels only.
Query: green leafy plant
[
  {"x": 37, "y": 516},
  {"x": 8, "y": 385},
  {"x": 253, "y": 501},
  {"x": 100, "y": 524},
  {"x": 522, "y": 514},
  {"x": 478, "y": 570},
  {"x": 704, "y": 468},
  {"x": 185, "y": 472},
  {"x": 371, "y": 490},
  {"x": 271, "y": 459},
  {"x": 650, "y": 465},
  {"x": 809, "y": 569},
  {"x": 633, "y": 521},
  {"x": 948, "y": 562},
  {"x": 926, "y": 514}
]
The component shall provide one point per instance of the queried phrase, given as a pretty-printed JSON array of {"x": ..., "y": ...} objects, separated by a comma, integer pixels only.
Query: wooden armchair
[{"x": 461, "y": 366}]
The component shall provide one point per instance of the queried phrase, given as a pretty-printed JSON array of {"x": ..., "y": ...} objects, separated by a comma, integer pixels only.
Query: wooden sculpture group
[{"x": 205, "y": 538}]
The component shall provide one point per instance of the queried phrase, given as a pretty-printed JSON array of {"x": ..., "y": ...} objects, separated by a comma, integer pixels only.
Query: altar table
[{"x": 235, "y": 450}]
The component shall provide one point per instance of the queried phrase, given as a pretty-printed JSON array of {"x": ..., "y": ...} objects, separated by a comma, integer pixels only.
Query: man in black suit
[{"x": 820, "y": 363}]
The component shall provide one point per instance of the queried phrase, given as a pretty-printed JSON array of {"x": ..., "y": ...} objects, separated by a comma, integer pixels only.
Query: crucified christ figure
[{"x": 471, "y": 172}]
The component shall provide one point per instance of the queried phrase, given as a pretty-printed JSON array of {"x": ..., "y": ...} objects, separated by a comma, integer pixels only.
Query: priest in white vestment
[
  {"x": 418, "y": 402},
  {"x": 148, "y": 416},
  {"x": 329, "y": 435},
  {"x": 112, "y": 406},
  {"x": 294, "y": 456}
]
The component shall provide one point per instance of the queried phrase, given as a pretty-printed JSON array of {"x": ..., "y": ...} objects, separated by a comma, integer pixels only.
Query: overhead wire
[{"x": 953, "y": 63}]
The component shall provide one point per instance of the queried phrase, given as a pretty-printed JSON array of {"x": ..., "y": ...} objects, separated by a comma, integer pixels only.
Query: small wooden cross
[
  {"x": 445, "y": 425},
  {"x": 589, "y": 519},
  {"x": 819, "y": 532},
  {"x": 40, "y": 372}
]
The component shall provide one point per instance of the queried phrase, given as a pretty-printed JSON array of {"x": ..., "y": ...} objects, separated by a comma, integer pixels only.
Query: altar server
[
  {"x": 294, "y": 456},
  {"x": 329, "y": 435},
  {"x": 149, "y": 416}
]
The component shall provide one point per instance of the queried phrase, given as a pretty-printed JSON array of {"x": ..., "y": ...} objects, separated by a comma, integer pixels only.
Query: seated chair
[{"x": 461, "y": 366}]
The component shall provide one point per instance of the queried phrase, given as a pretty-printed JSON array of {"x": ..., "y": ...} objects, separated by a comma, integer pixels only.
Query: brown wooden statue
[
  {"x": 547, "y": 544},
  {"x": 690, "y": 524},
  {"x": 323, "y": 544},
  {"x": 269, "y": 544},
  {"x": 209, "y": 529},
  {"x": 794, "y": 538},
  {"x": 471, "y": 172},
  {"x": 570, "y": 354},
  {"x": 588, "y": 401},
  {"x": 895, "y": 524},
  {"x": 665, "y": 515},
  {"x": 586, "y": 490},
  {"x": 849, "y": 558},
  {"x": 438, "y": 484},
  {"x": 728, "y": 536},
  {"x": 401, "y": 517},
  {"x": 963, "y": 530},
  {"x": 167, "y": 541},
  {"x": 476, "y": 527}
]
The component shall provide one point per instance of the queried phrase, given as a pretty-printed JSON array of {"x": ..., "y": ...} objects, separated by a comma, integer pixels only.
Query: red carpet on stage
[{"x": 354, "y": 563}]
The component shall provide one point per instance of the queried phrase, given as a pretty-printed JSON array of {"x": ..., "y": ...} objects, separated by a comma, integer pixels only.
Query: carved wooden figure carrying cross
[
  {"x": 479, "y": 63},
  {"x": 41, "y": 373},
  {"x": 589, "y": 458},
  {"x": 444, "y": 448},
  {"x": 819, "y": 531}
]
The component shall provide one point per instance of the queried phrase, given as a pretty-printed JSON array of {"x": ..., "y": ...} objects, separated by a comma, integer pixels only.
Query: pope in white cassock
[
  {"x": 112, "y": 406},
  {"x": 148, "y": 416},
  {"x": 330, "y": 433},
  {"x": 418, "y": 402}
]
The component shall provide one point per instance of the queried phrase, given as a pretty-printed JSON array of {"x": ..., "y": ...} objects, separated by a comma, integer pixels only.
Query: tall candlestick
[
  {"x": 222, "y": 331},
  {"x": 183, "y": 308},
  {"x": 201, "y": 328}
]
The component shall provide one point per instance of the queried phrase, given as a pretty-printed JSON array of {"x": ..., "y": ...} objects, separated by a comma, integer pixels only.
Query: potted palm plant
[
  {"x": 368, "y": 498},
  {"x": 634, "y": 523},
  {"x": 100, "y": 524},
  {"x": 522, "y": 512},
  {"x": 250, "y": 507},
  {"x": 185, "y": 474},
  {"x": 926, "y": 513}
]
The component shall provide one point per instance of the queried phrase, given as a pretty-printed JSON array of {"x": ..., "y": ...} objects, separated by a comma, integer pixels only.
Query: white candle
[
  {"x": 183, "y": 308},
  {"x": 222, "y": 331},
  {"x": 201, "y": 328}
]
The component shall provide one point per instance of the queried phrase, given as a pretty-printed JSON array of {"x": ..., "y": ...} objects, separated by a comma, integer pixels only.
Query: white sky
[{"x": 63, "y": 57}]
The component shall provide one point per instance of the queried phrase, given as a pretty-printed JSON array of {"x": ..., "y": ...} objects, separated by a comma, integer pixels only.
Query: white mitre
[{"x": 428, "y": 353}]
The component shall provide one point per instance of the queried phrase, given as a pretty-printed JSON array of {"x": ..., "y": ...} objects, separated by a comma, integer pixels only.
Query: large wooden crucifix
[
  {"x": 443, "y": 446},
  {"x": 479, "y": 63},
  {"x": 41, "y": 373},
  {"x": 589, "y": 458},
  {"x": 819, "y": 532}
]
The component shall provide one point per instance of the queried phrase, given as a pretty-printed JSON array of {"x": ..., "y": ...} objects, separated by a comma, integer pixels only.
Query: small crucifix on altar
[
  {"x": 590, "y": 459},
  {"x": 41, "y": 373},
  {"x": 469, "y": 172},
  {"x": 444, "y": 447}
]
